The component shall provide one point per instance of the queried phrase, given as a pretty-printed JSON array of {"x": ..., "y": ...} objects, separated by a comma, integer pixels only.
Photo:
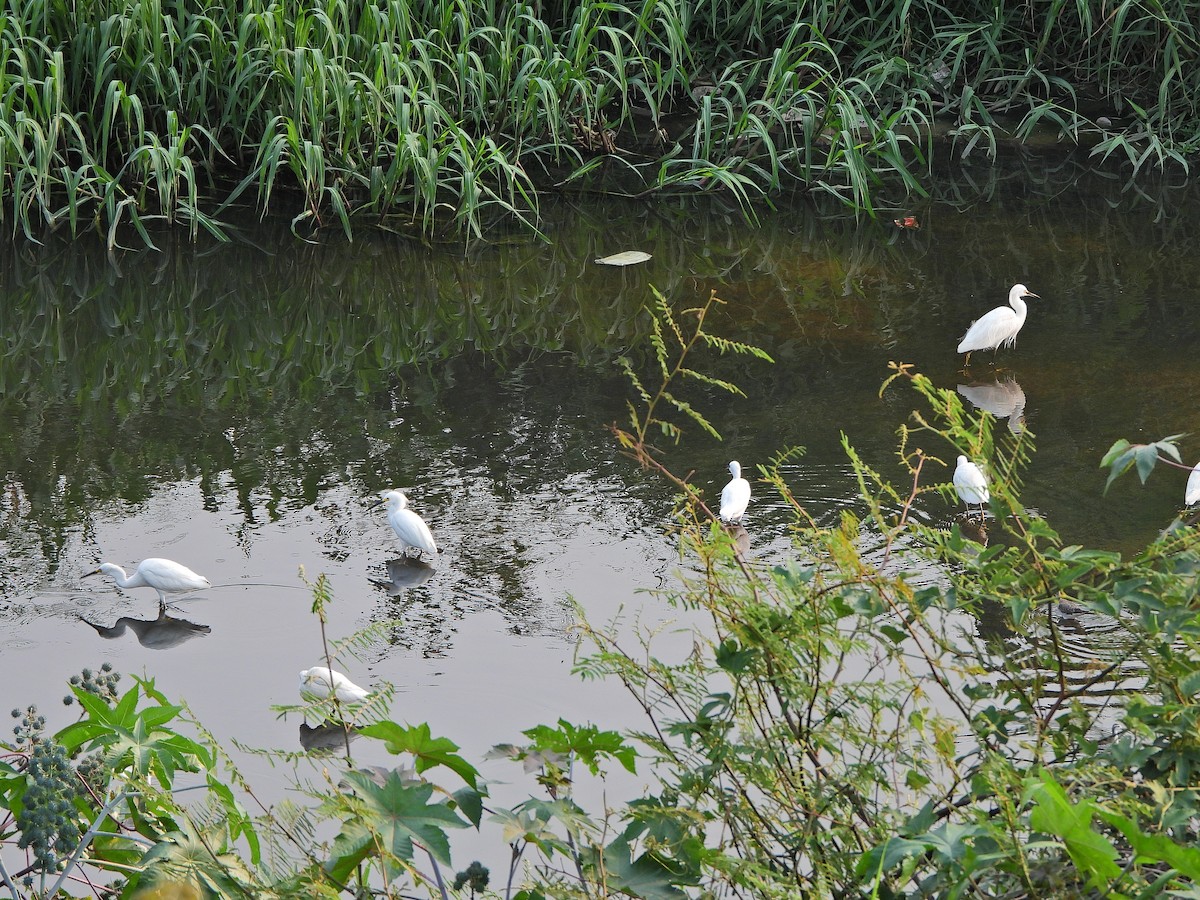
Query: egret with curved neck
[
  {"x": 164, "y": 575},
  {"x": 998, "y": 327},
  {"x": 410, "y": 528}
]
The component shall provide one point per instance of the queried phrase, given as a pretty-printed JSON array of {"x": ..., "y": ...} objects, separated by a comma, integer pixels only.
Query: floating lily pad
[{"x": 627, "y": 258}]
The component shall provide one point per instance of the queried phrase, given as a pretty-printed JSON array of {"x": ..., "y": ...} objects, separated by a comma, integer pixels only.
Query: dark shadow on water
[{"x": 161, "y": 633}]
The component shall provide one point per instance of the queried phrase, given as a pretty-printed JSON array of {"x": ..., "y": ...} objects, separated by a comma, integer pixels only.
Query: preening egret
[
  {"x": 970, "y": 483},
  {"x": 1191, "y": 494},
  {"x": 320, "y": 683},
  {"x": 999, "y": 327},
  {"x": 735, "y": 496},
  {"x": 164, "y": 575},
  {"x": 409, "y": 527}
]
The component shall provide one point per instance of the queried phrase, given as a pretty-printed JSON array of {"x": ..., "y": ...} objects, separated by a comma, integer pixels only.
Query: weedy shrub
[{"x": 904, "y": 710}]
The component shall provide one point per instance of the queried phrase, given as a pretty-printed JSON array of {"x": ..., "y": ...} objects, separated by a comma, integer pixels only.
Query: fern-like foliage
[{"x": 661, "y": 407}]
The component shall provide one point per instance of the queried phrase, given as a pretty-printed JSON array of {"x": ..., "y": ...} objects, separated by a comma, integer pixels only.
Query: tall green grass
[{"x": 439, "y": 117}]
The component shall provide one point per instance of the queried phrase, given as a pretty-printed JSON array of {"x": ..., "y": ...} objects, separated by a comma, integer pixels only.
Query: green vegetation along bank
[{"x": 442, "y": 117}]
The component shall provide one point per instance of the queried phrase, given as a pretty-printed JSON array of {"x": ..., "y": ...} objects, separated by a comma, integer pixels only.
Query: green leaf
[
  {"x": 394, "y": 815},
  {"x": 1118, "y": 462},
  {"x": 587, "y": 742},
  {"x": 470, "y": 803},
  {"x": 1114, "y": 452},
  {"x": 1156, "y": 848},
  {"x": 648, "y": 876},
  {"x": 888, "y": 855},
  {"x": 1167, "y": 446},
  {"x": 239, "y": 821},
  {"x": 1189, "y": 684},
  {"x": 1147, "y": 456},
  {"x": 731, "y": 657},
  {"x": 1054, "y": 814},
  {"x": 428, "y": 750}
]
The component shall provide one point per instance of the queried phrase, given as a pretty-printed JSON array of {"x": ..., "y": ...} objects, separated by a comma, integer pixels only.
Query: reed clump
[{"x": 439, "y": 116}]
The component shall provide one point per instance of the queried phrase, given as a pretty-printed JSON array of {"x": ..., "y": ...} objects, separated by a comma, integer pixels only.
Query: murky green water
[{"x": 237, "y": 407}]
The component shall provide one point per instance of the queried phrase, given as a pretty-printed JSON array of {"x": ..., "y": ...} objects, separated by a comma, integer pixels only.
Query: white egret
[
  {"x": 970, "y": 483},
  {"x": 409, "y": 527},
  {"x": 164, "y": 575},
  {"x": 320, "y": 683},
  {"x": 999, "y": 327},
  {"x": 1191, "y": 494},
  {"x": 735, "y": 496}
]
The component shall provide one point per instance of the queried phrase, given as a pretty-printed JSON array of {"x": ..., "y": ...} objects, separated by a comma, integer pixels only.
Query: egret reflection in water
[
  {"x": 974, "y": 529},
  {"x": 741, "y": 539},
  {"x": 329, "y": 736},
  {"x": 162, "y": 633},
  {"x": 1002, "y": 397},
  {"x": 404, "y": 573}
]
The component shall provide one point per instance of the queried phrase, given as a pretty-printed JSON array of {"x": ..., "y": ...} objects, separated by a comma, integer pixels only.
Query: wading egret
[
  {"x": 319, "y": 683},
  {"x": 1191, "y": 494},
  {"x": 164, "y": 575},
  {"x": 409, "y": 527},
  {"x": 999, "y": 327},
  {"x": 735, "y": 496},
  {"x": 970, "y": 483}
]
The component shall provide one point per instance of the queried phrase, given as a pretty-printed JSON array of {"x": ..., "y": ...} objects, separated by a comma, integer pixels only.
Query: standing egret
[
  {"x": 735, "y": 496},
  {"x": 970, "y": 483},
  {"x": 1191, "y": 494},
  {"x": 320, "y": 683},
  {"x": 409, "y": 527},
  {"x": 999, "y": 327},
  {"x": 164, "y": 575}
]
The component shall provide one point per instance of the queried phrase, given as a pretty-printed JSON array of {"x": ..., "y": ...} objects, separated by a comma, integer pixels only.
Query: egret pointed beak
[
  {"x": 375, "y": 503},
  {"x": 1031, "y": 294},
  {"x": 91, "y": 573}
]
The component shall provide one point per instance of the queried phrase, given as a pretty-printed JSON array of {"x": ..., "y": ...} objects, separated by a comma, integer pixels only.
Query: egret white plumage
[
  {"x": 164, "y": 575},
  {"x": 735, "y": 496},
  {"x": 321, "y": 683},
  {"x": 410, "y": 528},
  {"x": 1191, "y": 494},
  {"x": 971, "y": 483},
  {"x": 998, "y": 327}
]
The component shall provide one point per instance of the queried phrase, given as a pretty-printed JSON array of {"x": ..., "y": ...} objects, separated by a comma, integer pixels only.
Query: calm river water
[{"x": 237, "y": 407}]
